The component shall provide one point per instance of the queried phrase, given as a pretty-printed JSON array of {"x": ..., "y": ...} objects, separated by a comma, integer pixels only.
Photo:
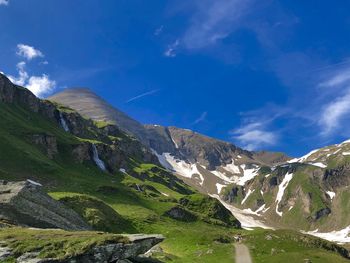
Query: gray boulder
[{"x": 25, "y": 204}]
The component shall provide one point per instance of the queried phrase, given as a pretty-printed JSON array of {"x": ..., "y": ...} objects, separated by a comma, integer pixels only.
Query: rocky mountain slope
[
  {"x": 203, "y": 162},
  {"x": 115, "y": 183},
  {"x": 260, "y": 188},
  {"x": 110, "y": 179}
]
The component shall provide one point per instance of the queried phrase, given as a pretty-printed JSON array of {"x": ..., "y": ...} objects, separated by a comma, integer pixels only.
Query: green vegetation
[
  {"x": 120, "y": 203},
  {"x": 284, "y": 246},
  {"x": 100, "y": 216},
  {"x": 56, "y": 244}
]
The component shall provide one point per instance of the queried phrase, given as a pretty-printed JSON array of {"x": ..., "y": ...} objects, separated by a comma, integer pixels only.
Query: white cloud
[
  {"x": 39, "y": 85},
  {"x": 333, "y": 113},
  {"x": 336, "y": 109},
  {"x": 214, "y": 20},
  {"x": 22, "y": 74},
  {"x": 254, "y": 136},
  {"x": 28, "y": 52},
  {"x": 4, "y": 2},
  {"x": 171, "y": 50}
]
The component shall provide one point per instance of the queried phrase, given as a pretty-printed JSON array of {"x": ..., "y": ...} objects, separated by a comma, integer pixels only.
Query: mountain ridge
[{"x": 259, "y": 184}]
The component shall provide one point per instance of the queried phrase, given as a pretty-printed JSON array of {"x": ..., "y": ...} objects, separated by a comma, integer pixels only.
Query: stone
[{"x": 26, "y": 204}]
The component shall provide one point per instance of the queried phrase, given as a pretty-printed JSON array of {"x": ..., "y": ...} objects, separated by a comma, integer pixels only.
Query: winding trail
[{"x": 242, "y": 254}]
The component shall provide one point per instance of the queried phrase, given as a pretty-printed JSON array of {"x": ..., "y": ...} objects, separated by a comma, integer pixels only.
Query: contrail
[{"x": 143, "y": 95}]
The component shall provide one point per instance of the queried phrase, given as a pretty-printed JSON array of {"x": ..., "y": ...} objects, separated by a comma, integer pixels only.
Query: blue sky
[{"x": 271, "y": 75}]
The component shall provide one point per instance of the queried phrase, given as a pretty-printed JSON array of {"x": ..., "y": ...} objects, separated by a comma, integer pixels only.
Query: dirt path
[{"x": 242, "y": 254}]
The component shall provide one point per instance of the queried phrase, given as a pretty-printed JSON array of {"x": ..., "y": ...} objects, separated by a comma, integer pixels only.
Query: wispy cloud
[
  {"x": 336, "y": 109},
  {"x": 28, "y": 52},
  {"x": 159, "y": 30},
  {"x": 171, "y": 50},
  {"x": 4, "y": 2},
  {"x": 254, "y": 136},
  {"x": 213, "y": 20},
  {"x": 142, "y": 95},
  {"x": 201, "y": 118}
]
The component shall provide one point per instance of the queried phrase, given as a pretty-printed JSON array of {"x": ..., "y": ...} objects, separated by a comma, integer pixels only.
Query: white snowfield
[
  {"x": 248, "y": 174},
  {"x": 340, "y": 236},
  {"x": 283, "y": 185},
  {"x": 235, "y": 174},
  {"x": 245, "y": 217},
  {"x": 232, "y": 168},
  {"x": 179, "y": 166}
]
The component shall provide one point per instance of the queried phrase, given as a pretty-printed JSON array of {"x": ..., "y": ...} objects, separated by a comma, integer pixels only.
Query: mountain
[
  {"x": 213, "y": 163},
  {"x": 110, "y": 179},
  {"x": 115, "y": 183},
  {"x": 261, "y": 188},
  {"x": 88, "y": 104}
]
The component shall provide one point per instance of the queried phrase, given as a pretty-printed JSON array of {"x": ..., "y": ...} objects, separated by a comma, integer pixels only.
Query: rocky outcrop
[
  {"x": 181, "y": 214},
  {"x": 127, "y": 251},
  {"x": 25, "y": 204},
  {"x": 338, "y": 177},
  {"x": 47, "y": 142}
]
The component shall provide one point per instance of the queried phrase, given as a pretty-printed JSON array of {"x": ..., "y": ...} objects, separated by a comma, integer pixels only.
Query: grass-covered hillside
[
  {"x": 110, "y": 201},
  {"x": 136, "y": 199}
]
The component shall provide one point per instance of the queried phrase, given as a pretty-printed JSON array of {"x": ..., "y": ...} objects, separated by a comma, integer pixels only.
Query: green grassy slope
[{"x": 113, "y": 202}]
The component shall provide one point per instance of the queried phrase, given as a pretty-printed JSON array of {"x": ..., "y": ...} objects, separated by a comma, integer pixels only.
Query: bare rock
[{"x": 24, "y": 203}]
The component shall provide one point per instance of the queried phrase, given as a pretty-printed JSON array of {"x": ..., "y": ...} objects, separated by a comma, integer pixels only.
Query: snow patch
[
  {"x": 303, "y": 158},
  {"x": 340, "y": 236},
  {"x": 233, "y": 179},
  {"x": 247, "y": 195},
  {"x": 248, "y": 174},
  {"x": 247, "y": 220},
  {"x": 181, "y": 167},
  {"x": 232, "y": 168},
  {"x": 219, "y": 187},
  {"x": 331, "y": 194},
  {"x": 283, "y": 185},
  {"x": 321, "y": 165}
]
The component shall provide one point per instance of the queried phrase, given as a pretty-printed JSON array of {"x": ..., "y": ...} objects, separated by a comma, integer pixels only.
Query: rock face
[
  {"x": 25, "y": 204},
  {"x": 115, "y": 252},
  {"x": 139, "y": 244},
  {"x": 181, "y": 214},
  {"x": 47, "y": 142}
]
